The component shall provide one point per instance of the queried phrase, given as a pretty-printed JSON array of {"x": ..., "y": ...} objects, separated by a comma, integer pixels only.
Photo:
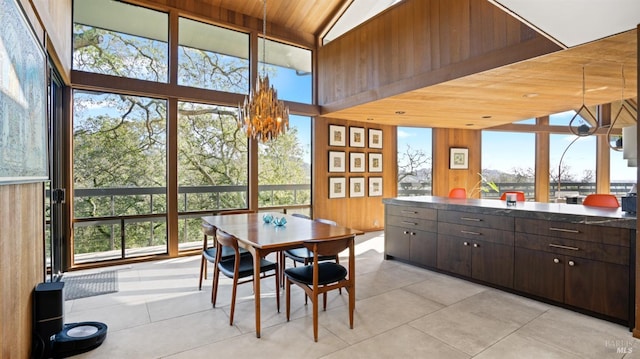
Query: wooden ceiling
[{"x": 537, "y": 87}]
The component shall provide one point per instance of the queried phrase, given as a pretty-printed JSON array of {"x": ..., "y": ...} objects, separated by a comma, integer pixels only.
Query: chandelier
[{"x": 262, "y": 117}]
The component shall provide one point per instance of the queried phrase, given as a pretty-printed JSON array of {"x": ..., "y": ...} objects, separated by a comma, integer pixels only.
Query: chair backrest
[
  {"x": 300, "y": 215},
  {"x": 519, "y": 196},
  {"x": 326, "y": 221},
  {"x": 225, "y": 239},
  {"x": 601, "y": 200},
  {"x": 329, "y": 247},
  {"x": 458, "y": 192}
]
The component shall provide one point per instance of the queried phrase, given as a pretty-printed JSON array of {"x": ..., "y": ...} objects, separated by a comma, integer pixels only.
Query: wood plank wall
[
  {"x": 21, "y": 266},
  {"x": 444, "y": 179},
  {"x": 419, "y": 43},
  {"x": 364, "y": 213}
]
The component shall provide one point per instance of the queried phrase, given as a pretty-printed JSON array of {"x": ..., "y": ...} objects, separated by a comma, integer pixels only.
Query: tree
[{"x": 411, "y": 161}]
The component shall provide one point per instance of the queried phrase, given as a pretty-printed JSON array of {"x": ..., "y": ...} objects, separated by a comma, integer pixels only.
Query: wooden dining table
[{"x": 261, "y": 238}]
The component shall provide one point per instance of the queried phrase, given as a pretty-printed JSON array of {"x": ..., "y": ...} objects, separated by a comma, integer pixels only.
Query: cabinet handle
[
  {"x": 410, "y": 233},
  {"x": 470, "y": 219},
  {"x": 556, "y": 260},
  {"x": 411, "y": 223},
  {"x": 465, "y": 243},
  {"x": 572, "y": 263},
  {"x": 563, "y": 247},
  {"x": 564, "y": 230},
  {"x": 469, "y": 232},
  {"x": 409, "y": 212},
  {"x": 476, "y": 245}
]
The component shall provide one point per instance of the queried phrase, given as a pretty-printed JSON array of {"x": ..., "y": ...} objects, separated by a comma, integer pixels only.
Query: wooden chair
[
  {"x": 601, "y": 200},
  {"x": 304, "y": 256},
  {"x": 239, "y": 267},
  {"x": 321, "y": 277},
  {"x": 458, "y": 192},
  {"x": 519, "y": 196},
  {"x": 209, "y": 252}
]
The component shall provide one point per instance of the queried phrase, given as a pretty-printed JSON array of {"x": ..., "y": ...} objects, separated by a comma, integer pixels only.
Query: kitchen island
[{"x": 571, "y": 255}]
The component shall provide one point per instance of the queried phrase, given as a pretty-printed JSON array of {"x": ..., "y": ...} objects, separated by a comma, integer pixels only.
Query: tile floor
[{"x": 401, "y": 312}]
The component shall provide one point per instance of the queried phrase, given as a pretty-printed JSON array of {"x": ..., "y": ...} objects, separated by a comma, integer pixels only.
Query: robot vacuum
[{"x": 52, "y": 338}]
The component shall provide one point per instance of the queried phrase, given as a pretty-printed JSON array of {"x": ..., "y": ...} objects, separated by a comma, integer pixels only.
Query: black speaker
[{"x": 48, "y": 316}]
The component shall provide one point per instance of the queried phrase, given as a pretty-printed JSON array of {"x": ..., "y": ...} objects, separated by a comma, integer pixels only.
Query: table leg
[{"x": 256, "y": 288}]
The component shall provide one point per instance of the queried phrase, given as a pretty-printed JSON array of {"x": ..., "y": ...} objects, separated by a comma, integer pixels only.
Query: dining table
[{"x": 261, "y": 238}]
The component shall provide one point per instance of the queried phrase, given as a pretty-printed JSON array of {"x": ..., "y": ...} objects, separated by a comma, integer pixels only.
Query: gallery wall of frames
[{"x": 359, "y": 168}]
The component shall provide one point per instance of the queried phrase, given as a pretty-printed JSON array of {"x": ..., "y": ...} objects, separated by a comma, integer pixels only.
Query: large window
[
  {"x": 212, "y": 165},
  {"x": 284, "y": 167},
  {"x": 414, "y": 161},
  {"x": 114, "y": 38},
  {"x": 119, "y": 175},
  {"x": 508, "y": 160},
  {"x": 572, "y": 161},
  {"x": 212, "y": 57},
  {"x": 288, "y": 68}
]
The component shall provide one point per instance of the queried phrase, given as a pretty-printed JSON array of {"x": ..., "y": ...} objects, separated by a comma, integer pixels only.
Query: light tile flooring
[{"x": 401, "y": 312}]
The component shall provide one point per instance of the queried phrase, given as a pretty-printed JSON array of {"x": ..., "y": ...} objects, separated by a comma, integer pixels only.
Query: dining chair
[
  {"x": 519, "y": 196},
  {"x": 601, "y": 200},
  {"x": 321, "y": 277},
  {"x": 458, "y": 192},
  {"x": 239, "y": 267},
  {"x": 209, "y": 251}
]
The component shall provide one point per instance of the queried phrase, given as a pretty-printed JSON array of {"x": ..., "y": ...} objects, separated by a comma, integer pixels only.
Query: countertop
[{"x": 573, "y": 213}]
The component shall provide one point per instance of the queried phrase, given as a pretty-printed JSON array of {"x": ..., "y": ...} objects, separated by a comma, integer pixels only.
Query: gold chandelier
[{"x": 262, "y": 117}]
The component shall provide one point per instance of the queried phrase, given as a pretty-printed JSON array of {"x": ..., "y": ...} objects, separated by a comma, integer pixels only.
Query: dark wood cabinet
[
  {"x": 584, "y": 267},
  {"x": 576, "y": 261},
  {"x": 410, "y": 235}
]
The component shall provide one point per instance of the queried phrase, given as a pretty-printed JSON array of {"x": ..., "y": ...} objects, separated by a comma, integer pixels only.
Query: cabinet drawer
[
  {"x": 411, "y": 212},
  {"x": 477, "y": 220},
  {"x": 578, "y": 231},
  {"x": 476, "y": 233},
  {"x": 412, "y": 223},
  {"x": 574, "y": 248}
]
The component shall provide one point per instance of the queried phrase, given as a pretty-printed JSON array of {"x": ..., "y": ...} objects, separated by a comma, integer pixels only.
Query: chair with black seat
[
  {"x": 321, "y": 277},
  {"x": 209, "y": 251},
  {"x": 239, "y": 267}
]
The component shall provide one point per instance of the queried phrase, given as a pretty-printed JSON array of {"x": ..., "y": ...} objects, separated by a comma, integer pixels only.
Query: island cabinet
[
  {"x": 410, "y": 234},
  {"x": 476, "y": 245},
  {"x": 581, "y": 265}
]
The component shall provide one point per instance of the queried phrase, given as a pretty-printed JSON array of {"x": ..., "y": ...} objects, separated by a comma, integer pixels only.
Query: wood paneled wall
[
  {"x": 364, "y": 213},
  {"x": 419, "y": 43},
  {"x": 21, "y": 266},
  {"x": 56, "y": 19},
  {"x": 444, "y": 178}
]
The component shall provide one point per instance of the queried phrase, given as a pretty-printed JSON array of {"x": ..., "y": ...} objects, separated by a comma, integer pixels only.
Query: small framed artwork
[
  {"x": 458, "y": 158},
  {"x": 336, "y": 161},
  {"x": 337, "y": 135},
  {"x": 356, "y": 187},
  {"x": 375, "y": 138},
  {"x": 356, "y": 162},
  {"x": 337, "y": 187},
  {"x": 375, "y": 186},
  {"x": 375, "y": 162},
  {"x": 356, "y": 136}
]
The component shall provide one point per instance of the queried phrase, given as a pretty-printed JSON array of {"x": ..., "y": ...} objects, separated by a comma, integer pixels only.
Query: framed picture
[
  {"x": 375, "y": 162},
  {"x": 458, "y": 158},
  {"x": 356, "y": 187},
  {"x": 375, "y": 186},
  {"x": 336, "y": 161},
  {"x": 375, "y": 138},
  {"x": 23, "y": 100},
  {"x": 356, "y": 162},
  {"x": 356, "y": 136},
  {"x": 337, "y": 187},
  {"x": 337, "y": 135}
]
